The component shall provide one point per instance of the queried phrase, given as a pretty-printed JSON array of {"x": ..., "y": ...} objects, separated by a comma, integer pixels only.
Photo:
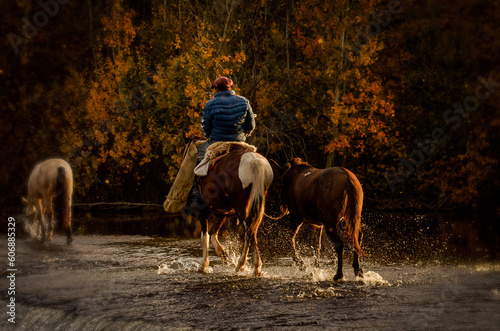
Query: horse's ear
[{"x": 276, "y": 167}]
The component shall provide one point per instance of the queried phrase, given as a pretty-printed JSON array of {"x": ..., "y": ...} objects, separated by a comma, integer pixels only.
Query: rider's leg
[{"x": 194, "y": 194}]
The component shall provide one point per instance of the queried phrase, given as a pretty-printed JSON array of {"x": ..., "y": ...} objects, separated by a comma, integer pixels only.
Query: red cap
[{"x": 222, "y": 83}]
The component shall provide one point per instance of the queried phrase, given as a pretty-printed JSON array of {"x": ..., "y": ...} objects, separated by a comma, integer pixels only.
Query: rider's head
[{"x": 222, "y": 84}]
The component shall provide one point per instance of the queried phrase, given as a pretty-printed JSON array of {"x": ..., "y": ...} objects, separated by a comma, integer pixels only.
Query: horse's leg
[
  {"x": 219, "y": 249},
  {"x": 296, "y": 257},
  {"x": 205, "y": 239},
  {"x": 251, "y": 222},
  {"x": 50, "y": 217},
  {"x": 257, "y": 262},
  {"x": 318, "y": 231},
  {"x": 41, "y": 212},
  {"x": 69, "y": 232},
  {"x": 358, "y": 272},
  {"x": 331, "y": 231},
  {"x": 37, "y": 222},
  {"x": 244, "y": 249}
]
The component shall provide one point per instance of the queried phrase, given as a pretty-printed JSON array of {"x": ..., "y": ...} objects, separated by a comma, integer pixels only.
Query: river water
[{"x": 423, "y": 272}]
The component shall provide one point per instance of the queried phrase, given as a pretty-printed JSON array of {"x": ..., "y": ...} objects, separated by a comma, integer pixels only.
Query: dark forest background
[{"x": 403, "y": 93}]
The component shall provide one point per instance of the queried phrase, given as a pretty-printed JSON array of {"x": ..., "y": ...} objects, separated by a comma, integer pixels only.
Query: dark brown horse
[
  {"x": 322, "y": 197},
  {"x": 235, "y": 186}
]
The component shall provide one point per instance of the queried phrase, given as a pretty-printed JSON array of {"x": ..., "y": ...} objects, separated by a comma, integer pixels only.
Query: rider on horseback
[{"x": 226, "y": 117}]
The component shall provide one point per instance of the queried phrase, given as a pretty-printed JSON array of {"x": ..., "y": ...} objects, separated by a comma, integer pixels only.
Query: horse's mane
[{"x": 297, "y": 161}]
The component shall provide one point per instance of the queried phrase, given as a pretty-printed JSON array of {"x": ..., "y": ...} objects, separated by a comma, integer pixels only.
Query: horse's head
[
  {"x": 286, "y": 173},
  {"x": 280, "y": 171},
  {"x": 296, "y": 162}
]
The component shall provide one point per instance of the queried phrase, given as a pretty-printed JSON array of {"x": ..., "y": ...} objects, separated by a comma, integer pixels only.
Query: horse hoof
[
  {"x": 224, "y": 258},
  {"x": 202, "y": 269},
  {"x": 258, "y": 274},
  {"x": 359, "y": 273},
  {"x": 338, "y": 277}
]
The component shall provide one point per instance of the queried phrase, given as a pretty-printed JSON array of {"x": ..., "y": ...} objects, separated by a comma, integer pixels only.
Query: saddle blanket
[{"x": 218, "y": 150}]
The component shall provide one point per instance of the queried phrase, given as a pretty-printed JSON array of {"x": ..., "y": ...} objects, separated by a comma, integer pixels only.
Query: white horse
[{"x": 50, "y": 185}]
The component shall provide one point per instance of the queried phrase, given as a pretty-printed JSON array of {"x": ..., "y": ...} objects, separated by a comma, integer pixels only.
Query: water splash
[
  {"x": 372, "y": 278},
  {"x": 326, "y": 293},
  {"x": 488, "y": 267},
  {"x": 180, "y": 266},
  {"x": 31, "y": 227}
]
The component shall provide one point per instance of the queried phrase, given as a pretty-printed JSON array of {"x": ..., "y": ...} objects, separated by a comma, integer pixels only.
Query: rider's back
[{"x": 227, "y": 117}]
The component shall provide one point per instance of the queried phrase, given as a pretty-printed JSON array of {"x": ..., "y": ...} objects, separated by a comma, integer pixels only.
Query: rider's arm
[
  {"x": 249, "y": 124},
  {"x": 206, "y": 122}
]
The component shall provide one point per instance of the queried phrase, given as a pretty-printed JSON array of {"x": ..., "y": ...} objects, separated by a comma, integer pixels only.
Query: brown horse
[
  {"x": 50, "y": 184},
  {"x": 235, "y": 186},
  {"x": 322, "y": 197}
]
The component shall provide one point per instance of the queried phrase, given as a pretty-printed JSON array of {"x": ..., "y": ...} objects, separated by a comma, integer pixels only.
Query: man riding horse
[
  {"x": 238, "y": 180},
  {"x": 226, "y": 117}
]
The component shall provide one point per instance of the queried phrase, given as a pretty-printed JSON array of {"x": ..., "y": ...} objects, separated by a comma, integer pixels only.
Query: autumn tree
[{"x": 341, "y": 103}]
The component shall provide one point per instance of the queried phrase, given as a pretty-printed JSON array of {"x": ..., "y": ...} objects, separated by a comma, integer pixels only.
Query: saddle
[{"x": 217, "y": 151}]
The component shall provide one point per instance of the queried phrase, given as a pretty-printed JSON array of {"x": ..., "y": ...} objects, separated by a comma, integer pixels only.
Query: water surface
[{"x": 423, "y": 272}]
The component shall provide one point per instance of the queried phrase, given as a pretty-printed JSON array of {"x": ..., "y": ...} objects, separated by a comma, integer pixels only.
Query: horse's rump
[
  {"x": 236, "y": 184},
  {"x": 352, "y": 207},
  {"x": 223, "y": 182},
  {"x": 325, "y": 195},
  {"x": 255, "y": 171},
  {"x": 62, "y": 199},
  {"x": 50, "y": 190}
]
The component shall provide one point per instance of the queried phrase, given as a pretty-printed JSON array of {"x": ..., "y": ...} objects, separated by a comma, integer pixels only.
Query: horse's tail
[
  {"x": 63, "y": 198},
  {"x": 256, "y": 171},
  {"x": 353, "y": 205}
]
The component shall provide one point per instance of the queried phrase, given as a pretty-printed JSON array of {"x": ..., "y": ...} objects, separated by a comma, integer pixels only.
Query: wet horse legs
[
  {"x": 214, "y": 232},
  {"x": 318, "y": 232},
  {"x": 40, "y": 209},
  {"x": 257, "y": 262},
  {"x": 205, "y": 240},
  {"x": 206, "y": 236},
  {"x": 358, "y": 272},
  {"x": 50, "y": 217},
  {"x": 296, "y": 257},
  {"x": 244, "y": 249},
  {"x": 339, "y": 248},
  {"x": 250, "y": 241}
]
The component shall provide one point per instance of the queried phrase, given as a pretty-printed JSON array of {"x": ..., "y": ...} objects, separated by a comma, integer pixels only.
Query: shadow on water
[{"x": 146, "y": 224}]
